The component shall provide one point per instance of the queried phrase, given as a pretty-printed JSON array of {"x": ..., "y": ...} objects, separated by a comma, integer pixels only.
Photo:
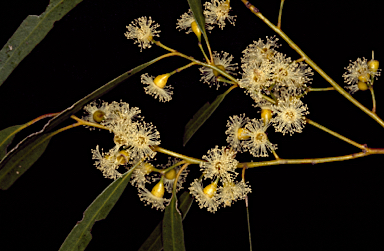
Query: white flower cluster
[
  {"x": 219, "y": 166},
  {"x": 133, "y": 137},
  {"x": 215, "y": 13},
  {"x": 267, "y": 71}
]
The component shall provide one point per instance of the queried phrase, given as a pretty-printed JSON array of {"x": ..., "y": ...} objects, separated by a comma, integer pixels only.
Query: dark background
[{"x": 332, "y": 206}]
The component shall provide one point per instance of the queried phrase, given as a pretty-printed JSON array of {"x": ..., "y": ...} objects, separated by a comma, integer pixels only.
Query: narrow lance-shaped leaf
[
  {"x": 22, "y": 159},
  {"x": 31, "y": 32},
  {"x": 154, "y": 241},
  {"x": 9, "y": 165},
  {"x": 200, "y": 117},
  {"x": 6, "y": 137},
  {"x": 197, "y": 11},
  {"x": 173, "y": 234},
  {"x": 80, "y": 236}
]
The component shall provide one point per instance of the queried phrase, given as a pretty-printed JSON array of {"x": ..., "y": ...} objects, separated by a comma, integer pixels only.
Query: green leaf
[
  {"x": 154, "y": 241},
  {"x": 197, "y": 11},
  {"x": 6, "y": 137},
  {"x": 23, "y": 156},
  {"x": 31, "y": 32},
  {"x": 173, "y": 234},
  {"x": 200, "y": 117},
  {"x": 80, "y": 236},
  {"x": 21, "y": 153}
]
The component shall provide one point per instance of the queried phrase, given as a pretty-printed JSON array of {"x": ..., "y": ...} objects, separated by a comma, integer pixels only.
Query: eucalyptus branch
[
  {"x": 312, "y": 64},
  {"x": 182, "y": 68},
  {"x": 311, "y": 89},
  {"x": 177, "y": 155},
  {"x": 366, "y": 152},
  {"x": 87, "y": 123},
  {"x": 337, "y": 135}
]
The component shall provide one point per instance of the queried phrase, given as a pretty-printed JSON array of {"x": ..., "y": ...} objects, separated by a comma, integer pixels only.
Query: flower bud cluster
[{"x": 360, "y": 74}]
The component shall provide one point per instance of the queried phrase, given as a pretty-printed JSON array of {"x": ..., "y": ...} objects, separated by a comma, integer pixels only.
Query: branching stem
[
  {"x": 312, "y": 64},
  {"x": 337, "y": 135}
]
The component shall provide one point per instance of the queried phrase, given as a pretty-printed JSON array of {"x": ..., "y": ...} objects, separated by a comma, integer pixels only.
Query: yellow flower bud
[
  {"x": 158, "y": 189},
  {"x": 364, "y": 77},
  {"x": 241, "y": 134},
  {"x": 373, "y": 65},
  {"x": 98, "y": 116},
  {"x": 170, "y": 175},
  {"x": 210, "y": 190},
  {"x": 362, "y": 86},
  {"x": 196, "y": 30},
  {"x": 216, "y": 73},
  {"x": 161, "y": 80},
  {"x": 266, "y": 114}
]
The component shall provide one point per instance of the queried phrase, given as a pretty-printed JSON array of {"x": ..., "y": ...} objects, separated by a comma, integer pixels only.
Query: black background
[{"x": 332, "y": 206}]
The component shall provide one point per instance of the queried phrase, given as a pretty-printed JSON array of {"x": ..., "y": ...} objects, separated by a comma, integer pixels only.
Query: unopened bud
[
  {"x": 373, "y": 65},
  {"x": 196, "y": 30},
  {"x": 161, "y": 80},
  {"x": 170, "y": 175},
  {"x": 210, "y": 190},
  {"x": 362, "y": 86},
  {"x": 158, "y": 189},
  {"x": 364, "y": 77},
  {"x": 266, "y": 115}
]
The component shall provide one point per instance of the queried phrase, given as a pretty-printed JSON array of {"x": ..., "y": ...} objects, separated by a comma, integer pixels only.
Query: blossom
[
  {"x": 142, "y": 30},
  {"x": 206, "y": 197},
  {"x": 149, "y": 198},
  {"x": 290, "y": 112},
  {"x": 359, "y": 71},
  {"x": 290, "y": 74},
  {"x": 231, "y": 192},
  {"x": 162, "y": 93},
  {"x": 258, "y": 142},
  {"x": 141, "y": 138},
  {"x": 222, "y": 61},
  {"x": 236, "y": 131},
  {"x": 186, "y": 20},
  {"x": 140, "y": 173},
  {"x": 107, "y": 163},
  {"x": 267, "y": 70},
  {"x": 256, "y": 78},
  {"x": 219, "y": 163},
  {"x": 217, "y": 11},
  {"x": 120, "y": 119},
  {"x": 96, "y": 113},
  {"x": 258, "y": 51}
]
